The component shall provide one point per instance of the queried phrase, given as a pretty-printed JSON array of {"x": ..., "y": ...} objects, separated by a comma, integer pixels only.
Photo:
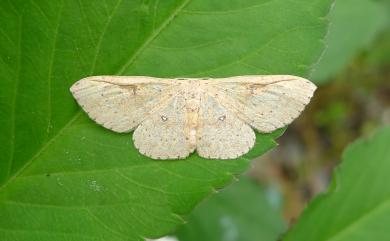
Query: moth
[{"x": 171, "y": 118}]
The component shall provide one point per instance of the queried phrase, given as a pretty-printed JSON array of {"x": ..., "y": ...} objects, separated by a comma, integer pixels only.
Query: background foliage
[
  {"x": 357, "y": 205},
  {"x": 240, "y": 212},
  {"x": 354, "y": 25}
]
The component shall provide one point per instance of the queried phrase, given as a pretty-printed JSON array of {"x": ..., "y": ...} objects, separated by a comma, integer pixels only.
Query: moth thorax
[{"x": 192, "y": 139}]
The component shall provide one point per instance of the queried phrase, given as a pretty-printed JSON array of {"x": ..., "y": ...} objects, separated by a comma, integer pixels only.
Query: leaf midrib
[
  {"x": 128, "y": 63},
  {"x": 361, "y": 218}
]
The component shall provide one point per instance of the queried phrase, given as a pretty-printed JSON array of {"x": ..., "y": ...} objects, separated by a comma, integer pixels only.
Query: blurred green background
[{"x": 353, "y": 100}]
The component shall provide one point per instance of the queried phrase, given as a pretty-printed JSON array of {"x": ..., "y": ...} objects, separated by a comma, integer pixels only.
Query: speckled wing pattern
[
  {"x": 121, "y": 103},
  {"x": 172, "y": 118}
]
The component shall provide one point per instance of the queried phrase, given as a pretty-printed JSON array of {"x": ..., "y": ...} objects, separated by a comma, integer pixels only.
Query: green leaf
[
  {"x": 63, "y": 177},
  {"x": 354, "y": 25},
  {"x": 241, "y": 212},
  {"x": 357, "y": 206}
]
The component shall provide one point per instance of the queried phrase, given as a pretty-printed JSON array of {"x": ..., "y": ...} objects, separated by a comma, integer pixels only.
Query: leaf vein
[
  {"x": 50, "y": 73},
  {"x": 222, "y": 12},
  {"x": 40, "y": 151},
  {"x": 99, "y": 44},
  {"x": 254, "y": 52},
  {"x": 16, "y": 92},
  {"x": 152, "y": 37},
  {"x": 104, "y": 225},
  {"x": 355, "y": 222}
]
